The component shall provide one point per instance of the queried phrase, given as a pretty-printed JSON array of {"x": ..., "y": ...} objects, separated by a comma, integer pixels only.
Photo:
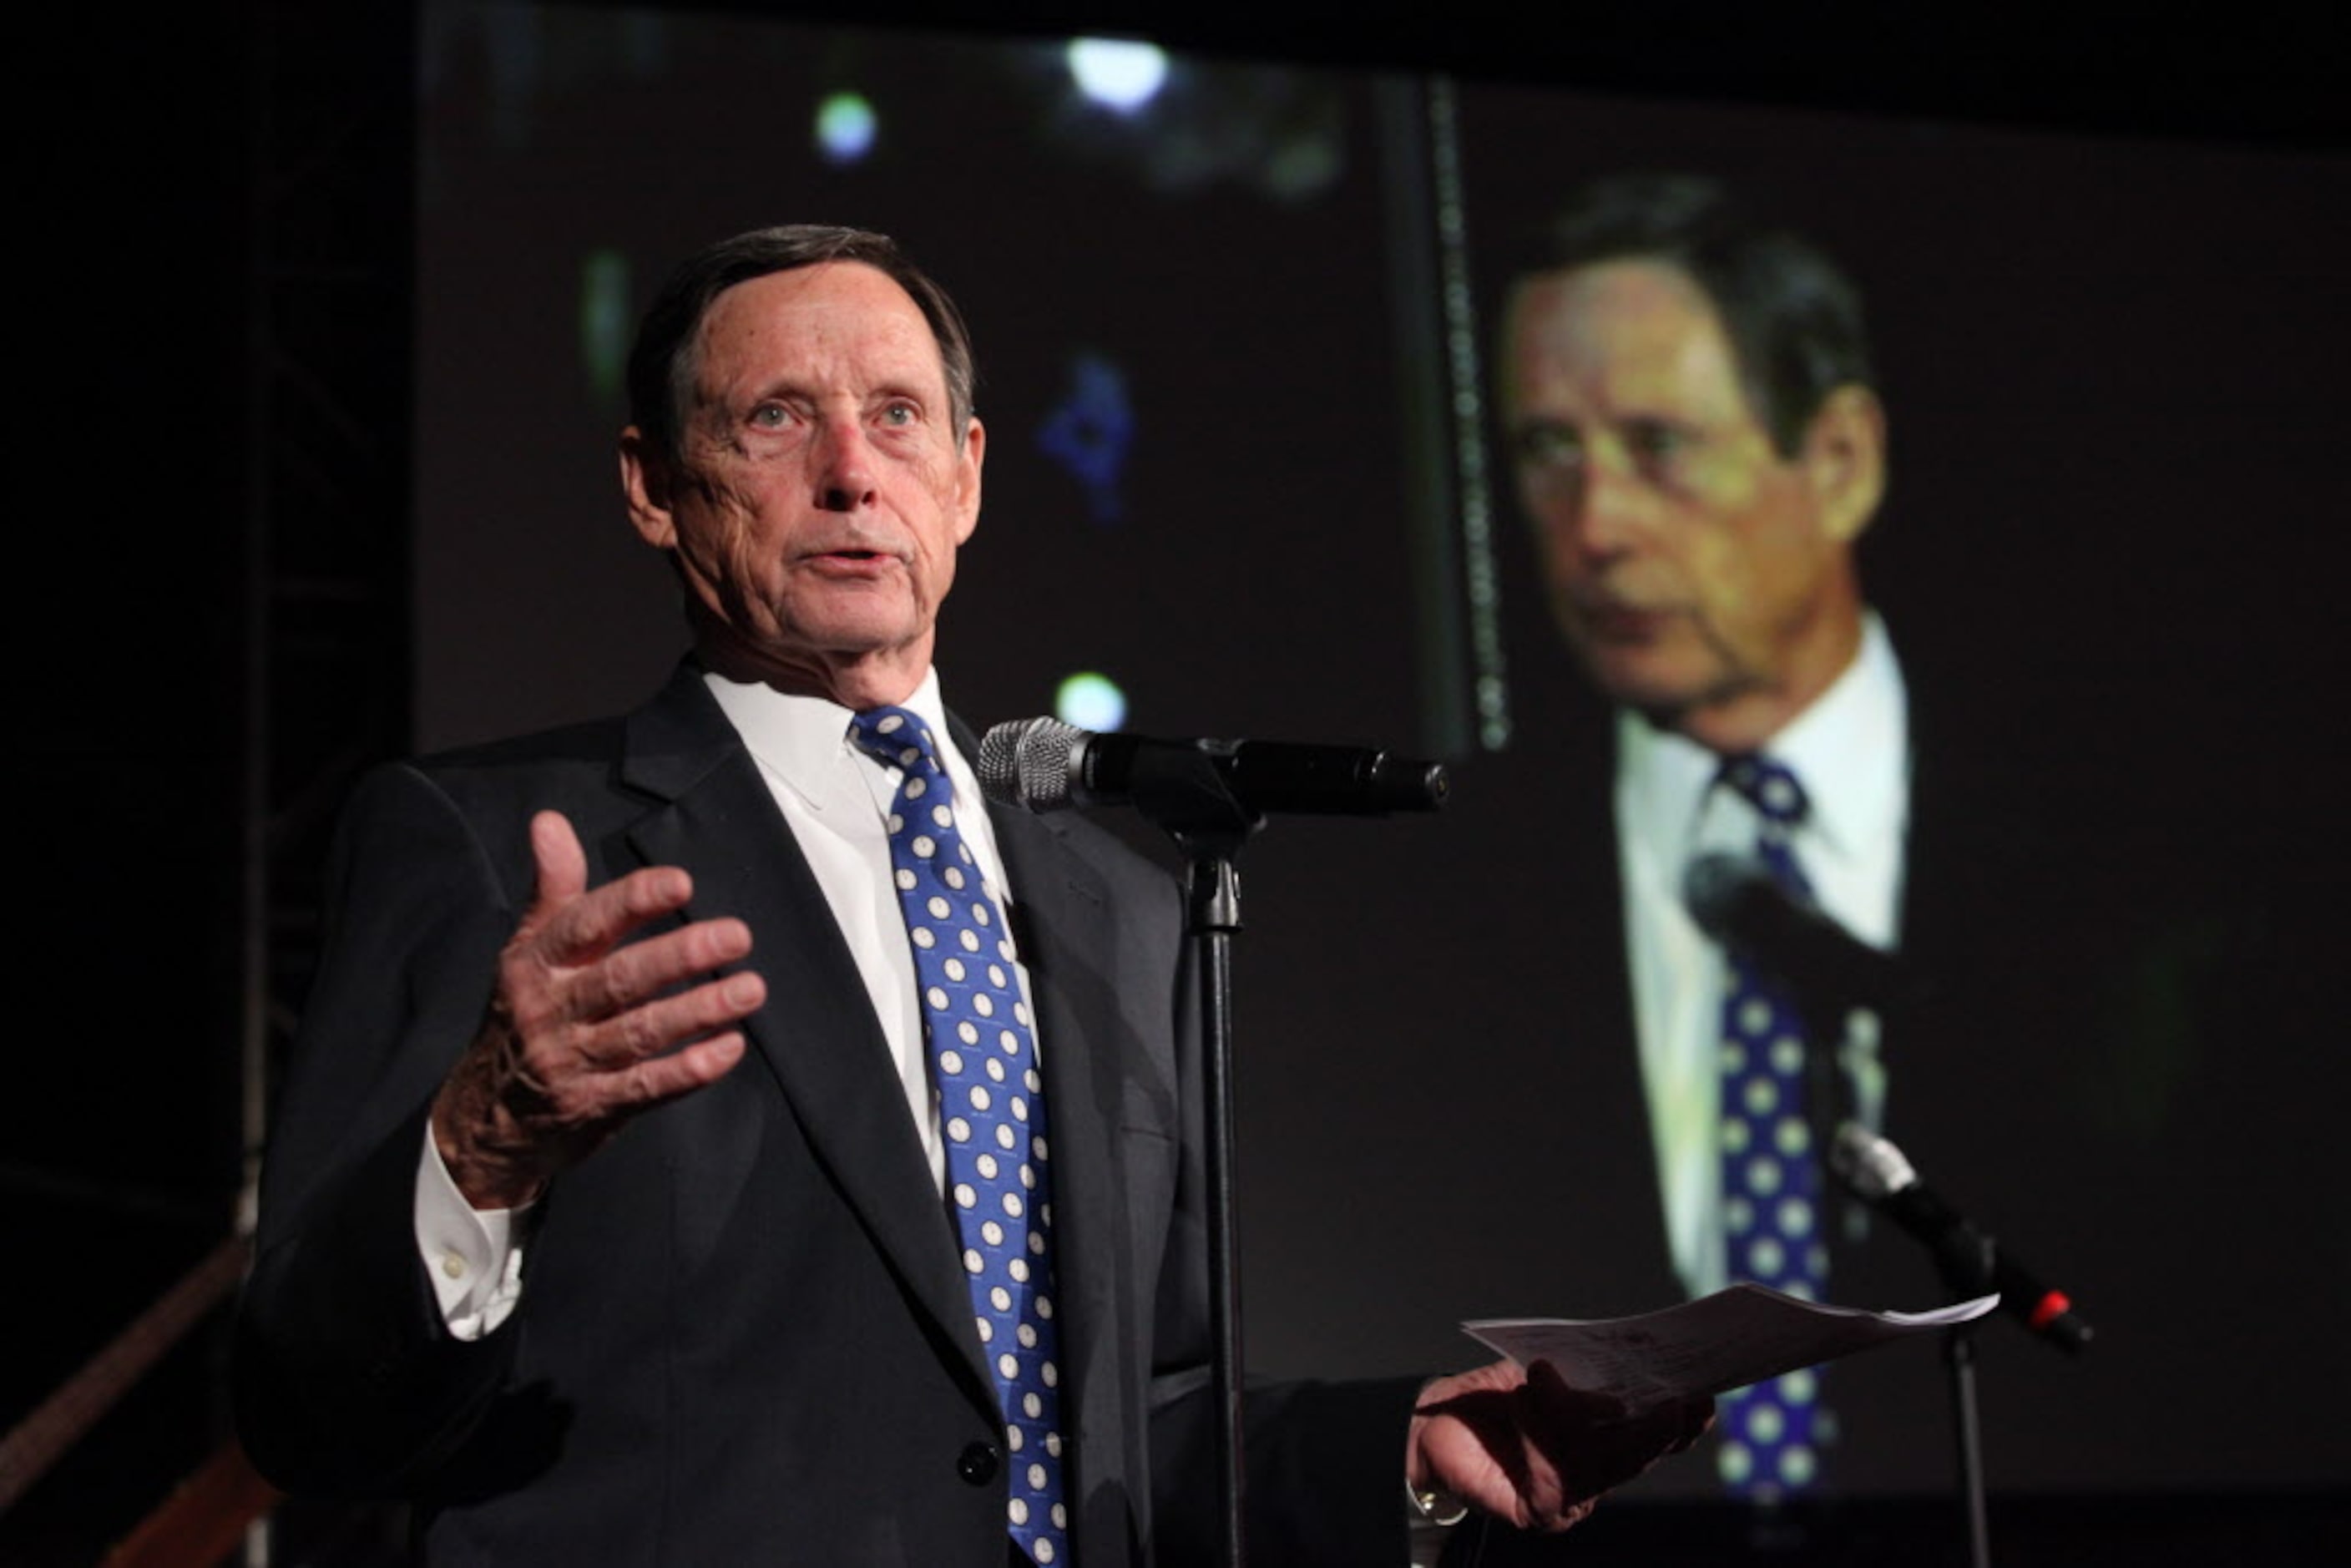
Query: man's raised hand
[{"x": 585, "y": 1028}]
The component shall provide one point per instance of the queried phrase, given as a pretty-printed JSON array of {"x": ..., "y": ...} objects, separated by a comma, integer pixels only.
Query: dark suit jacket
[{"x": 744, "y": 1333}]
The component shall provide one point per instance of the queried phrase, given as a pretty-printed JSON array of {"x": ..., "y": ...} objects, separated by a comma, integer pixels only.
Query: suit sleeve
[{"x": 347, "y": 1381}]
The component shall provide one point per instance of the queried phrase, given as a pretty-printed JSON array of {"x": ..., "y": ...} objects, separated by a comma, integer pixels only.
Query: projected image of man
[{"x": 1696, "y": 443}]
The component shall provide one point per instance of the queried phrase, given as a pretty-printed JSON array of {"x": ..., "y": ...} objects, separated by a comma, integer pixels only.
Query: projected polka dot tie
[
  {"x": 1772, "y": 1432},
  {"x": 992, "y": 1111}
]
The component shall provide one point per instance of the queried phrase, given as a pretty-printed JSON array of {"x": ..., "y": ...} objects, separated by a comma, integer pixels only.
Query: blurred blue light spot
[
  {"x": 1117, "y": 73},
  {"x": 1089, "y": 701},
  {"x": 845, "y": 127},
  {"x": 1089, "y": 432}
]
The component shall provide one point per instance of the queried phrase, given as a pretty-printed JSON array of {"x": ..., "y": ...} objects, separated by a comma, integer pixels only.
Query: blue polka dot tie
[
  {"x": 1771, "y": 1433},
  {"x": 991, "y": 1112}
]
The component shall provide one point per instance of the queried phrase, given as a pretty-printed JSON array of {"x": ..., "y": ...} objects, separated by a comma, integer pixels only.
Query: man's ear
[
  {"x": 645, "y": 481},
  {"x": 1844, "y": 458},
  {"x": 968, "y": 465}
]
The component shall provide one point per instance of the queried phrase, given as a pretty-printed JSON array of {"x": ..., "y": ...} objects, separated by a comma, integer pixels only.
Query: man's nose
[
  {"x": 1608, "y": 513},
  {"x": 844, "y": 465}
]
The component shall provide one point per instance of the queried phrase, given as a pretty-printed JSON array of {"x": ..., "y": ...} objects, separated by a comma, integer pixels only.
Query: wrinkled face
[
  {"x": 822, "y": 488},
  {"x": 1690, "y": 566}
]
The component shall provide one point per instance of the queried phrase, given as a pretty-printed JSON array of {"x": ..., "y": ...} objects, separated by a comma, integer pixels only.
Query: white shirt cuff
[{"x": 474, "y": 1257}]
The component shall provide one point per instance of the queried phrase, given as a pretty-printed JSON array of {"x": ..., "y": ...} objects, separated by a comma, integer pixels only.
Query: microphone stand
[
  {"x": 1959, "y": 1355},
  {"x": 1209, "y": 824},
  {"x": 1967, "y": 1269},
  {"x": 1967, "y": 1266}
]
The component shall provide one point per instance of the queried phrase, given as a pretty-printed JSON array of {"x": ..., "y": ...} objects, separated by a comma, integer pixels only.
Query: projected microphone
[
  {"x": 1738, "y": 901},
  {"x": 1047, "y": 766},
  {"x": 1972, "y": 1261}
]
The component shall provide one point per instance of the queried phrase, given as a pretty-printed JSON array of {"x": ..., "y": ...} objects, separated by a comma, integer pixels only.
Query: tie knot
[
  {"x": 896, "y": 737},
  {"x": 1769, "y": 787}
]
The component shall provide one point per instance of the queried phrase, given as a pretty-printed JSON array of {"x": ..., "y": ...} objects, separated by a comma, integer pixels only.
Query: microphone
[
  {"x": 1736, "y": 901},
  {"x": 1047, "y": 766},
  {"x": 1971, "y": 1260}
]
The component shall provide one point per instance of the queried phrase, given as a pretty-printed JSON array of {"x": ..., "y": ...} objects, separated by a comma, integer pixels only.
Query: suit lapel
[
  {"x": 1062, "y": 920},
  {"x": 817, "y": 1033}
]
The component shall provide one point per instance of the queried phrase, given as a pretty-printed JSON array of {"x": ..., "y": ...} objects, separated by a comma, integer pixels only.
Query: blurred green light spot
[
  {"x": 1089, "y": 701},
  {"x": 845, "y": 126},
  {"x": 604, "y": 324}
]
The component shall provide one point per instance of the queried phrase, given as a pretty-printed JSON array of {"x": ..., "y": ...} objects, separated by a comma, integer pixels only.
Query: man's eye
[
  {"x": 1652, "y": 444},
  {"x": 899, "y": 413},
  {"x": 1549, "y": 445},
  {"x": 771, "y": 416}
]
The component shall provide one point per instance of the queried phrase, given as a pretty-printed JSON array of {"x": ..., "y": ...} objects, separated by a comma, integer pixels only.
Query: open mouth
[
  {"x": 852, "y": 556},
  {"x": 1623, "y": 623}
]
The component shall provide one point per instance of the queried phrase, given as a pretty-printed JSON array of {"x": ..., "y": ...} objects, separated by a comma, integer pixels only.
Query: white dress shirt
[
  {"x": 1850, "y": 750},
  {"x": 836, "y": 800}
]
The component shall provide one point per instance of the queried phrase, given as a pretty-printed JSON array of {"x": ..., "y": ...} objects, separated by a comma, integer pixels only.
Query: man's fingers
[
  {"x": 665, "y": 1078},
  {"x": 592, "y": 923},
  {"x": 1697, "y": 1416},
  {"x": 1563, "y": 1402},
  {"x": 642, "y": 971},
  {"x": 562, "y": 866},
  {"x": 622, "y": 1044},
  {"x": 1596, "y": 1439},
  {"x": 592, "y": 1106},
  {"x": 1530, "y": 1447}
]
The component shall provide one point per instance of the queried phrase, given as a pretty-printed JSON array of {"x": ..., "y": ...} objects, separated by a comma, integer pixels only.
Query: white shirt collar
[
  {"x": 802, "y": 740},
  {"x": 802, "y": 745}
]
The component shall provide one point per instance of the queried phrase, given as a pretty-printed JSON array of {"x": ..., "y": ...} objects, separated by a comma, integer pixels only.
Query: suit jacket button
[{"x": 978, "y": 1463}]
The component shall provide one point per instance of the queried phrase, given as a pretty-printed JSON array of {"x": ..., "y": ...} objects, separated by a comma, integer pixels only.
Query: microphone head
[
  {"x": 1717, "y": 888},
  {"x": 1870, "y": 1164},
  {"x": 1030, "y": 762}
]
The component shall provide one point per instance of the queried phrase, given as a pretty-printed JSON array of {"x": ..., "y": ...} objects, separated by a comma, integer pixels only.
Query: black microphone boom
[
  {"x": 1045, "y": 765},
  {"x": 1972, "y": 1260}
]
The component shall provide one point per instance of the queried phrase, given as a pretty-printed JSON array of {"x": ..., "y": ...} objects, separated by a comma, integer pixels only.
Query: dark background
[{"x": 2102, "y": 264}]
